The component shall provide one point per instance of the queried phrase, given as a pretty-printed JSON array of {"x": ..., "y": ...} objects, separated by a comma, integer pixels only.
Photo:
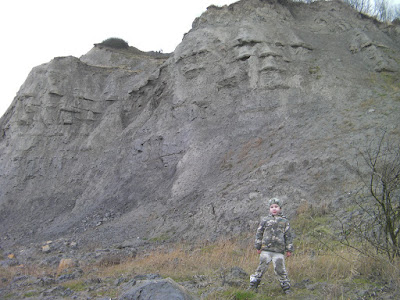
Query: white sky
[{"x": 33, "y": 32}]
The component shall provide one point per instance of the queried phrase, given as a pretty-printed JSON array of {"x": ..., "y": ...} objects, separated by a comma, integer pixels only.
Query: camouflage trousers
[{"x": 278, "y": 261}]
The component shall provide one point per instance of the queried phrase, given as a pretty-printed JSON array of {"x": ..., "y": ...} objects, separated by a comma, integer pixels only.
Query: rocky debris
[
  {"x": 148, "y": 285},
  {"x": 65, "y": 256},
  {"x": 46, "y": 248},
  {"x": 148, "y": 277},
  {"x": 9, "y": 262},
  {"x": 234, "y": 277},
  {"x": 156, "y": 289}
]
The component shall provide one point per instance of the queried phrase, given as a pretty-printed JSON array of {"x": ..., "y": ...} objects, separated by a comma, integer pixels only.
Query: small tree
[
  {"x": 377, "y": 221},
  {"x": 396, "y": 14},
  {"x": 379, "y": 9}
]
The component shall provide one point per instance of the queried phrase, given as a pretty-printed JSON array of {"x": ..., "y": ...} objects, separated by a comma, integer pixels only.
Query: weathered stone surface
[
  {"x": 164, "y": 289},
  {"x": 260, "y": 99}
]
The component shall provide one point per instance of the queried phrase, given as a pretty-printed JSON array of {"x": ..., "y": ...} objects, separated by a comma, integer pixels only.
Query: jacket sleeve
[
  {"x": 288, "y": 239},
  {"x": 259, "y": 235}
]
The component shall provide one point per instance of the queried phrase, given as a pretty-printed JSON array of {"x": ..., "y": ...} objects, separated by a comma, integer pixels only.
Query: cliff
[{"x": 260, "y": 99}]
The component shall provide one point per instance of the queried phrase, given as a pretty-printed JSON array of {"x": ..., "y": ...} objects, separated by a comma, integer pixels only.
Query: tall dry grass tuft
[
  {"x": 6, "y": 274},
  {"x": 323, "y": 267},
  {"x": 184, "y": 261},
  {"x": 378, "y": 266}
]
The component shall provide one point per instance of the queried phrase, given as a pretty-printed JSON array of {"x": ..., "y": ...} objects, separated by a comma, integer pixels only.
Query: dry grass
[
  {"x": 332, "y": 270},
  {"x": 181, "y": 262},
  {"x": 316, "y": 261},
  {"x": 184, "y": 261},
  {"x": 337, "y": 268}
]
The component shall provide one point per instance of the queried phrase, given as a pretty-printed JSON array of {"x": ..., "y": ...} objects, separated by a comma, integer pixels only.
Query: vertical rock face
[{"x": 260, "y": 99}]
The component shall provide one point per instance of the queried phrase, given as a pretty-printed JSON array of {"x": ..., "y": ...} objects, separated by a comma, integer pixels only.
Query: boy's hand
[{"x": 288, "y": 254}]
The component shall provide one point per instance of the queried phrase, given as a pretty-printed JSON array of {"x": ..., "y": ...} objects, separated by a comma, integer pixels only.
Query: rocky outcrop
[
  {"x": 157, "y": 290},
  {"x": 260, "y": 99}
]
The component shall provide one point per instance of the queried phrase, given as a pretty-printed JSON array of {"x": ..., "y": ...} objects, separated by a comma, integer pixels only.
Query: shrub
[
  {"x": 378, "y": 220},
  {"x": 115, "y": 43}
]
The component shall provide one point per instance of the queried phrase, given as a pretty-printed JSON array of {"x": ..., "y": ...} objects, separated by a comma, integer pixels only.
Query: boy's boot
[
  {"x": 285, "y": 285},
  {"x": 253, "y": 284},
  {"x": 253, "y": 287},
  {"x": 287, "y": 292}
]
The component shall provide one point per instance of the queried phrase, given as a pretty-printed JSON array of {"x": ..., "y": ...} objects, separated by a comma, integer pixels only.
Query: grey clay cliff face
[{"x": 260, "y": 99}]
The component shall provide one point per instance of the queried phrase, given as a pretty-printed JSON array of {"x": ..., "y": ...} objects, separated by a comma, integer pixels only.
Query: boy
[{"x": 273, "y": 238}]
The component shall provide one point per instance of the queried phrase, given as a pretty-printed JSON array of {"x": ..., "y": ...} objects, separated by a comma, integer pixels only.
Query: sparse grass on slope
[
  {"x": 328, "y": 274},
  {"x": 319, "y": 269}
]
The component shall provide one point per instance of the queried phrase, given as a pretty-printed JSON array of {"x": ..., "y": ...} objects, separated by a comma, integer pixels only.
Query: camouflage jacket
[{"x": 273, "y": 234}]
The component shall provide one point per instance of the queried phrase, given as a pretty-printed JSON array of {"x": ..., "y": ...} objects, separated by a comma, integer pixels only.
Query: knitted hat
[{"x": 275, "y": 201}]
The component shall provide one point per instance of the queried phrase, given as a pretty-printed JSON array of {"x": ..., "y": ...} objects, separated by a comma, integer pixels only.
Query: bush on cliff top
[{"x": 115, "y": 43}]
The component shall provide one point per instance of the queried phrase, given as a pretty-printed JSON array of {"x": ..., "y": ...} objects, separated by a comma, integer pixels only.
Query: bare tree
[
  {"x": 377, "y": 221},
  {"x": 396, "y": 12},
  {"x": 379, "y": 9}
]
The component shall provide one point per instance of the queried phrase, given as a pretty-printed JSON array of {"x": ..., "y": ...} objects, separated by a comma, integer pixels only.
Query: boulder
[{"x": 164, "y": 289}]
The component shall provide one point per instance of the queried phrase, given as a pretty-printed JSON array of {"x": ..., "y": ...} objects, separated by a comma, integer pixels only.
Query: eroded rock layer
[{"x": 260, "y": 99}]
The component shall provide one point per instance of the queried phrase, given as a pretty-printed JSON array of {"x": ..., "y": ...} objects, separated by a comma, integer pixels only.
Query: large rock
[
  {"x": 165, "y": 289},
  {"x": 260, "y": 99}
]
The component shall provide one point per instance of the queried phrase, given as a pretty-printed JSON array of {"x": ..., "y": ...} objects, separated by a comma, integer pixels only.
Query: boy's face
[{"x": 274, "y": 209}]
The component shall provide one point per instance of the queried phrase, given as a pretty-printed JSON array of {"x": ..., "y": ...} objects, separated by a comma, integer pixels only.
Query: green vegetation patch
[
  {"x": 31, "y": 294},
  {"x": 9, "y": 296},
  {"x": 77, "y": 286},
  {"x": 243, "y": 295},
  {"x": 236, "y": 294},
  {"x": 110, "y": 293},
  {"x": 391, "y": 80},
  {"x": 161, "y": 238},
  {"x": 116, "y": 43}
]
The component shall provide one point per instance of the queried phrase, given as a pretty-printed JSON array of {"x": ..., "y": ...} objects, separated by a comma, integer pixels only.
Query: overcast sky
[{"x": 33, "y": 32}]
